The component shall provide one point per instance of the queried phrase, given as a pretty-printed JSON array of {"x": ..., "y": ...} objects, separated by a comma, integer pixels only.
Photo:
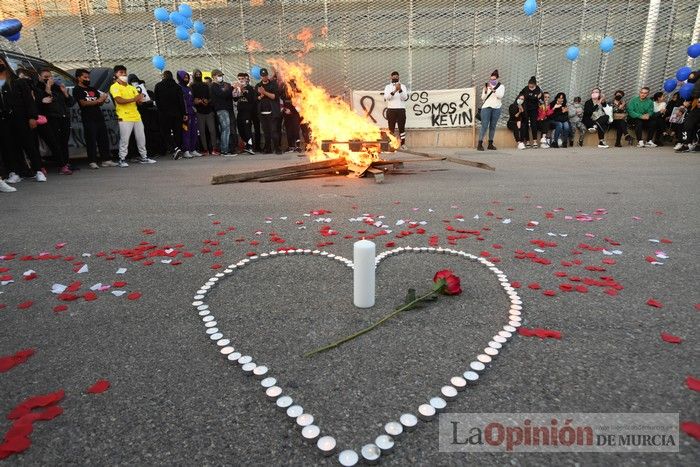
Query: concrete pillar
[{"x": 648, "y": 44}]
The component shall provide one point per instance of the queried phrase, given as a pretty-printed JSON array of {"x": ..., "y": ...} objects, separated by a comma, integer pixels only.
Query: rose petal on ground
[
  {"x": 10, "y": 361},
  {"x": 654, "y": 303},
  {"x": 134, "y": 296},
  {"x": 693, "y": 383},
  {"x": 25, "y": 305},
  {"x": 670, "y": 338},
  {"x": 549, "y": 293},
  {"x": 100, "y": 386},
  {"x": 534, "y": 286},
  {"x": 539, "y": 332},
  {"x": 59, "y": 308},
  {"x": 691, "y": 429}
]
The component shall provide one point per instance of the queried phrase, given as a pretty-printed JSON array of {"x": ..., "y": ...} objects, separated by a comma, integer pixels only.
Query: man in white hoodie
[{"x": 396, "y": 95}]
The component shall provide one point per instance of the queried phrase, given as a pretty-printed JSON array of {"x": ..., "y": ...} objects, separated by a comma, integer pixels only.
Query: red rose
[{"x": 446, "y": 282}]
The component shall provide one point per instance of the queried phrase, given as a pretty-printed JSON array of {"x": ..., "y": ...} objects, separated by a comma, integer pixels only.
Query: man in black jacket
[
  {"x": 269, "y": 111},
  {"x": 532, "y": 94},
  {"x": 246, "y": 98},
  {"x": 222, "y": 101},
  {"x": 55, "y": 103},
  {"x": 171, "y": 112},
  {"x": 691, "y": 124},
  {"x": 90, "y": 100},
  {"x": 205, "y": 115}
]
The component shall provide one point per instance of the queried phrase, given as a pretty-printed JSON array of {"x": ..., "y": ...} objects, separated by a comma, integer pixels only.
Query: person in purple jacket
[{"x": 189, "y": 126}]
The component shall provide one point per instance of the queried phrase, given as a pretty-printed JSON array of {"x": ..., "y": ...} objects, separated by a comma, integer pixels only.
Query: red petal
[
  {"x": 539, "y": 332},
  {"x": 549, "y": 293},
  {"x": 693, "y": 383},
  {"x": 25, "y": 305},
  {"x": 691, "y": 429},
  {"x": 90, "y": 296},
  {"x": 670, "y": 338},
  {"x": 390, "y": 244},
  {"x": 100, "y": 386},
  {"x": 11, "y": 361},
  {"x": 216, "y": 266},
  {"x": 14, "y": 445},
  {"x": 134, "y": 296},
  {"x": 30, "y": 403},
  {"x": 666, "y": 240},
  {"x": 59, "y": 308},
  {"x": 654, "y": 303},
  {"x": 534, "y": 286},
  {"x": 515, "y": 284},
  {"x": 119, "y": 284}
]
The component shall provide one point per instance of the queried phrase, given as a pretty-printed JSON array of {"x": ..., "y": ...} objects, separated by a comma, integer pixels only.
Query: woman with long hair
[
  {"x": 595, "y": 116},
  {"x": 560, "y": 118}
]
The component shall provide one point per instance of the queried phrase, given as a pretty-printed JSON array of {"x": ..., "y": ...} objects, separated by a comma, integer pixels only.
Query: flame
[
  {"x": 253, "y": 46},
  {"x": 330, "y": 119},
  {"x": 305, "y": 36}
]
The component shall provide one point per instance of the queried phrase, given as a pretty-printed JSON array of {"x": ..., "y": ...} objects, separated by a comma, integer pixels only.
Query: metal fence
[{"x": 434, "y": 44}]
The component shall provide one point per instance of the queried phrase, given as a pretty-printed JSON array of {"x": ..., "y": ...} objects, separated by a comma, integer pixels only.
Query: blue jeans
[
  {"x": 225, "y": 128},
  {"x": 489, "y": 118},
  {"x": 562, "y": 127}
]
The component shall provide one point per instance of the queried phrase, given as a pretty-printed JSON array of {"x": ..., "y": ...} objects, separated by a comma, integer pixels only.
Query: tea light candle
[
  {"x": 364, "y": 274},
  {"x": 326, "y": 444}
]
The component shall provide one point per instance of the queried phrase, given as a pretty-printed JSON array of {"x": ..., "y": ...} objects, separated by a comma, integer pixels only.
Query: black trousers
[
  {"x": 394, "y": 117},
  {"x": 272, "y": 137},
  {"x": 291, "y": 126},
  {"x": 171, "y": 130},
  {"x": 257, "y": 138},
  {"x": 641, "y": 126},
  {"x": 620, "y": 127},
  {"x": 15, "y": 137},
  {"x": 690, "y": 125},
  {"x": 56, "y": 133},
  {"x": 244, "y": 123},
  {"x": 529, "y": 126},
  {"x": 96, "y": 137}
]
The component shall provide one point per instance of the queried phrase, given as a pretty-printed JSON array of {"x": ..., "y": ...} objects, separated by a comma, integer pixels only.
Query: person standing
[
  {"x": 170, "y": 103},
  {"x": 205, "y": 116},
  {"x": 18, "y": 122},
  {"x": 269, "y": 111},
  {"x": 533, "y": 94},
  {"x": 491, "y": 102},
  {"x": 126, "y": 98},
  {"x": 595, "y": 117},
  {"x": 189, "y": 121},
  {"x": 54, "y": 103},
  {"x": 640, "y": 110},
  {"x": 246, "y": 103},
  {"x": 90, "y": 101},
  {"x": 222, "y": 100},
  {"x": 395, "y": 96}
]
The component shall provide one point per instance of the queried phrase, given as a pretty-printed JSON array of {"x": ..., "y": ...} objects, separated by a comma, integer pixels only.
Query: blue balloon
[
  {"x": 199, "y": 27},
  {"x": 683, "y": 73},
  {"x": 686, "y": 91},
  {"x": 159, "y": 62},
  {"x": 10, "y": 27},
  {"x": 14, "y": 37},
  {"x": 185, "y": 10},
  {"x": 176, "y": 18},
  {"x": 572, "y": 53},
  {"x": 607, "y": 44},
  {"x": 255, "y": 72},
  {"x": 694, "y": 50},
  {"x": 197, "y": 40},
  {"x": 188, "y": 23},
  {"x": 161, "y": 14},
  {"x": 530, "y": 7},
  {"x": 182, "y": 33},
  {"x": 670, "y": 85}
]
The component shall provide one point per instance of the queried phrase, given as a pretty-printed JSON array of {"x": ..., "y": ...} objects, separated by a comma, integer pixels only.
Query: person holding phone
[
  {"x": 491, "y": 102},
  {"x": 395, "y": 96},
  {"x": 54, "y": 102}
]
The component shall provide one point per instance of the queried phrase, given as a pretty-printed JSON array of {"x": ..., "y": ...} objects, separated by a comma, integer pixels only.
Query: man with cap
[
  {"x": 205, "y": 115},
  {"x": 395, "y": 96},
  {"x": 222, "y": 100},
  {"x": 269, "y": 111},
  {"x": 247, "y": 105}
]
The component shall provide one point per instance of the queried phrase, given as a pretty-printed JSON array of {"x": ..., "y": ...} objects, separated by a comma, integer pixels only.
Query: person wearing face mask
[
  {"x": 532, "y": 94},
  {"x": 54, "y": 102},
  {"x": 620, "y": 118},
  {"x": 18, "y": 122},
  {"x": 222, "y": 100},
  {"x": 576, "y": 121},
  {"x": 640, "y": 110},
  {"x": 516, "y": 113},
  {"x": 170, "y": 103},
  {"x": 595, "y": 117},
  {"x": 90, "y": 101},
  {"x": 246, "y": 103},
  {"x": 491, "y": 102},
  {"x": 269, "y": 111},
  {"x": 395, "y": 96},
  {"x": 189, "y": 121},
  {"x": 126, "y": 99},
  {"x": 205, "y": 116}
]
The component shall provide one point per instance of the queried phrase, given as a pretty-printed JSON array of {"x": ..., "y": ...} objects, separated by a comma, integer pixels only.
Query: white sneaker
[
  {"x": 560, "y": 143},
  {"x": 640, "y": 144},
  {"x": 196, "y": 154},
  {"x": 543, "y": 140},
  {"x": 146, "y": 160},
  {"x": 5, "y": 188},
  {"x": 187, "y": 155},
  {"x": 93, "y": 165},
  {"x": 110, "y": 164},
  {"x": 544, "y": 145},
  {"x": 13, "y": 178},
  {"x": 591, "y": 130},
  {"x": 122, "y": 164},
  {"x": 521, "y": 145},
  {"x": 228, "y": 154},
  {"x": 602, "y": 144},
  {"x": 650, "y": 144},
  {"x": 677, "y": 146},
  {"x": 40, "y": 177}
]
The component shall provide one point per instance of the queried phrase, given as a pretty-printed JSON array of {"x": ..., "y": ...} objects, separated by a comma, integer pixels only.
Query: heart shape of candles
[{"x": 384, "y": 443}]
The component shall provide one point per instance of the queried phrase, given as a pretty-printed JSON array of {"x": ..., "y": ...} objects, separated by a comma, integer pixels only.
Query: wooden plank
[
  {"x": 290, "y": 169},
  {"x": 456, "y": 160},
  {"x": 378, "y": 174},
  {"x": 340, "y": 170}
]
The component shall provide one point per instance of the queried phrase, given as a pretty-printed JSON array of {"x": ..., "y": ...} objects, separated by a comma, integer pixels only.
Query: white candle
[{"x": 364, "y": 272}]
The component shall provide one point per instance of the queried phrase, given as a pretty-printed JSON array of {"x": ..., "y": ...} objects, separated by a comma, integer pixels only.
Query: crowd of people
[
  {"x": 538, "y": 120},
  {"x": 187, "y": 116}
]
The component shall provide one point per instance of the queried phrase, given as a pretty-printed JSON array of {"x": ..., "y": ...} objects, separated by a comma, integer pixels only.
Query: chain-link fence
[{"x": 434, "y": 44}]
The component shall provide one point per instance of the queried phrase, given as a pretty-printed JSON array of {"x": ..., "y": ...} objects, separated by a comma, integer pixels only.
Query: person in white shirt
[
  {"x": 396, "y": 95},
  {"x": 491, "y": 101}
]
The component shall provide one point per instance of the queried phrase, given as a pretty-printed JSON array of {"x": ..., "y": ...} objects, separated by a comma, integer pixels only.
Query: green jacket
[{"x": 637, "y": 107}]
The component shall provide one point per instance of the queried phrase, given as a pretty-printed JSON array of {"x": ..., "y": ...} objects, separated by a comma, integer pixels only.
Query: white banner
[{"x": 441, "y": 108}]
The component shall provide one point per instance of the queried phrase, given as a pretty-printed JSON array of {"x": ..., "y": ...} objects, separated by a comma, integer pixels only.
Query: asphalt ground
[{"x": 174, "y": 400}]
